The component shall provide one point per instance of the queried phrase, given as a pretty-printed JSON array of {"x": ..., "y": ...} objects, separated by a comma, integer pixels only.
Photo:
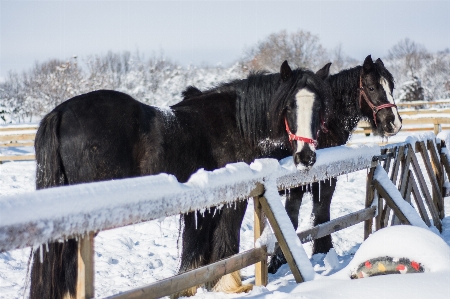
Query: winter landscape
[{"x": 136, "y": 255}]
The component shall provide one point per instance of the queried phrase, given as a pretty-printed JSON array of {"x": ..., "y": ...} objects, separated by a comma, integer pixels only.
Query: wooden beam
[
  {"x": 9, "y": 129},
  {"x": 195, "y": 277},
  {"x": 17, "y": 144},
  {"x": 434, "y": 183},
  {"x": 281, "y": 240},
  {"x": 18, "y": 158},
  {"x": 261, "y": 271},
  {"x": 12, "y": 137},
  {"x": 337, "y": 224},
  {"x": 418, "y": 200},
  {"x": 368, "y": 202},
  {"x": 86, "y": 274},
  {"x": 439, "y": 174},
  {"x": 425, "y": 192},
  {"x": 398, "y": 212}
]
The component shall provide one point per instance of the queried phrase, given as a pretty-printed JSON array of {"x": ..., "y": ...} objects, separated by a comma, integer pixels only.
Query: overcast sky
[{"x": 209, "y": 32}]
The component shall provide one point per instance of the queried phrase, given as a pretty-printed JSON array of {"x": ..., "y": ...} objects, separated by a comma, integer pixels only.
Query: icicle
[
  {"x": 195, "y": 213},
  {"x": 41, "y": 254},
  {"x": 320, "y": 188},
  {"x": 330, "y": 182},
  {"x": 46, "y": 246}
]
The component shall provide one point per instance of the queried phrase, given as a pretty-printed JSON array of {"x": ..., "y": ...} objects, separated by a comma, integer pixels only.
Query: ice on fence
[{"x": 60, "y": 212}]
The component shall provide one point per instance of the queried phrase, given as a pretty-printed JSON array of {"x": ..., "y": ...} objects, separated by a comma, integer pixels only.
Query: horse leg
[
  {"x": 225, "y": 242},
  {"x": 55, "y": 276},
  {"x": 322, "y": 195},
  {"x": 195, "y": 248},
  {"x": 294, "y": 198}
]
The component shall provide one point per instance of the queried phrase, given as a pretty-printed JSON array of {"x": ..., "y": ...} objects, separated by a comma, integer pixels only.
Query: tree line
[{"x": 419, "y": 74}]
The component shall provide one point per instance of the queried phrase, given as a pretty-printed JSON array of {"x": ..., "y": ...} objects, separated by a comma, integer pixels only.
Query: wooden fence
[
  {"x": 17, "y": 136},
  {"x": 380, "y": 200}
]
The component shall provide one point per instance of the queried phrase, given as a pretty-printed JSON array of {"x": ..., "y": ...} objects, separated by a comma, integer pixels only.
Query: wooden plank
[
  {"x": 368, "y": 202},
  {"x": 439, "y": 174},
  {"x": 418, "y": 200},
  {"x": 425, "y": 192},
  {"x": 382, "y": 191},
  {"x": 18, "y": 158},
  {"x": 9, "y": 129},
  {"x": 434, "y": 183},
  {"x": 281, "y": 240},
  {"x": 337, "y": 224},
  {"x": 15, "y": 137},
  {"x": 195, "y": 277},
  {"x": 85, "y": 277},
  {"x": 16, "y": 144},
  {"x": 261, "y": 271}
]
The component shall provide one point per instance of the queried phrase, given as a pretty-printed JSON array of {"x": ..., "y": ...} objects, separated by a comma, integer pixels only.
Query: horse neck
[{"x": 344, "y": 87}]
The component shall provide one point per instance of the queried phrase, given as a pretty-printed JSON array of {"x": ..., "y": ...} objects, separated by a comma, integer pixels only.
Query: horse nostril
[
  {"x": 312, "y": 159},
  {"x": 297, "y": 158},
  {"x": 307, "y": 159}
]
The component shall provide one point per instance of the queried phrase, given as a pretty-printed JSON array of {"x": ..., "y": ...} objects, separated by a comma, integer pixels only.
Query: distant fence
[
  {"x": 17, "y": 136},
  {"x": 119, "y": 203}
]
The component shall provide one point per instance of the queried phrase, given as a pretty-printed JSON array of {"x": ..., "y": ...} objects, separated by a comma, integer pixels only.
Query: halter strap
[
  {"x": 293, "y": 137},
  {"x": 375, "y": 109}
]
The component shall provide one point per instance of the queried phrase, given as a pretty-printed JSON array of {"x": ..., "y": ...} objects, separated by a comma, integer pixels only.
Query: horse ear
[
  {"x": 285, "y": 71},
  {"x": 368, "y": 64},
  {"x": 379, "y": 62},
  {"x": 324, "y": 72}
]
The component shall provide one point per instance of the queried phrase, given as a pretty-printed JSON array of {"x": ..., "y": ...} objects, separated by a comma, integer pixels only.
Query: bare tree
[
  {"x": 411, "y": 56},
  {"x": 300, "y": 48},
  {"x": 340, "y": 60}
]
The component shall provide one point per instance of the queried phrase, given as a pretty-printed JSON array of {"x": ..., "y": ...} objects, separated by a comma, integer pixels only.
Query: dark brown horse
[
  {"x": 362, "y": 92},
  {"x": 106, "y": 135}
]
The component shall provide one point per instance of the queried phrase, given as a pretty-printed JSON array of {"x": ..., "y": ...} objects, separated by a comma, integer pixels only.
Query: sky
[{"x": 209, "y": 32}]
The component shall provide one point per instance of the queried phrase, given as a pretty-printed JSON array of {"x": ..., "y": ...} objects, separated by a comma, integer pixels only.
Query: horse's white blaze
[
  {"x": 305, "y": 101},
  {"x": 397, "y": 123}
]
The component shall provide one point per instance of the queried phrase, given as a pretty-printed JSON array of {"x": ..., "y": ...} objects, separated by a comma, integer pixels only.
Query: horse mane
[{"x": 261, "y": 99}]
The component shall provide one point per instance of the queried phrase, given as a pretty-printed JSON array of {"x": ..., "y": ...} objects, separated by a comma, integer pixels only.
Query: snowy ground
[{"x": 136, "y": 255}]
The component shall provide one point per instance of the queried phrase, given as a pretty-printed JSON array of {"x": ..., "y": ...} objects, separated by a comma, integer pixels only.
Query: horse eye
[{"x": 371, "y": 88}]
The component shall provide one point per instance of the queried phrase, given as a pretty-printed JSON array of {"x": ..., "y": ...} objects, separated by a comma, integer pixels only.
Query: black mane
[{"x": 261, "y": 100}]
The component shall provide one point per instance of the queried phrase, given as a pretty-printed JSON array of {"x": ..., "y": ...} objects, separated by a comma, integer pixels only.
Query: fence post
[
  {"x": 369, "y": 199},
  {"x": 85, "y": 277},
  {"x": 261, "y": 272}
]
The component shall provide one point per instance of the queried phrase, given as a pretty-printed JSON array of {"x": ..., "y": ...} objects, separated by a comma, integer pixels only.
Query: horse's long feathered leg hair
[{"x": 54, "y": 271}]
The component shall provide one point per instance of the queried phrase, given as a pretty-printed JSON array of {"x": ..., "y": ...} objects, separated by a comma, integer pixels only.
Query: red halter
[
  {"x": 293, "y": 137},
  {"x": 374, "y": 108}
]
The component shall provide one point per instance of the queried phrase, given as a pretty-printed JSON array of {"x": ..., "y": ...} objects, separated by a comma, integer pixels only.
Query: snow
[{"x": 135, "y": 255}]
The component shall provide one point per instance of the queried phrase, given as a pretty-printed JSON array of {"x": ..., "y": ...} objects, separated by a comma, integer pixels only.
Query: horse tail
[{"x": 54, "y": 269}]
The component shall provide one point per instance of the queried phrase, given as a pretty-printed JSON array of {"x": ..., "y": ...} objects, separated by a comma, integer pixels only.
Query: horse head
[
  {"x": 304, "y": 111},
  {"x": 375, "y": 98}
]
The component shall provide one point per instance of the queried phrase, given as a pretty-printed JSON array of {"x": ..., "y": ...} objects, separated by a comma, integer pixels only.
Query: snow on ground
[{"x": 139, "y": 254}]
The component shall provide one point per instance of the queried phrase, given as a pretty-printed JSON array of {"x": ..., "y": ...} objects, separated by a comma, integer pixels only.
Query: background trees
[{"x": 156, "y": 80}]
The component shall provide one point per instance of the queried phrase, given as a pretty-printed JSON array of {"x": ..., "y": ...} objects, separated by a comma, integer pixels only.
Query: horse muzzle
[{"x": 306, "y": 156}]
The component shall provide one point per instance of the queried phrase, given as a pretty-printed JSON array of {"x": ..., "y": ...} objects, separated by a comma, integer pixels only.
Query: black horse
[
  {"x": 362, "y": 92},
  {"x": 106, "y": 135}
]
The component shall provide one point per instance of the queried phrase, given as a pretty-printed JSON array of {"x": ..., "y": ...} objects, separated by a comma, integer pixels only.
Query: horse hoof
[
  {"x": 232, "y": 283},
  {"x": 185, "y": 293}
]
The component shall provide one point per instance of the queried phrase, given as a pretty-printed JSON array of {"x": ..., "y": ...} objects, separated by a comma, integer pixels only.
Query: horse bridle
[
  {"x": 374, "y": 108},
  {"x": 293, "y": 137}
]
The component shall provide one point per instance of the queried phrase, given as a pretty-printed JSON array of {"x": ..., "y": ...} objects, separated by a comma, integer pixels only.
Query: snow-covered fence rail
[{"x": 81, "y": 210}]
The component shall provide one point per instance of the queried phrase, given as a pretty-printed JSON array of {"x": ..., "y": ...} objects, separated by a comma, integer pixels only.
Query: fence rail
[
  {"x": 25, "y": 219},
  {"x": 17, "y": 136}
]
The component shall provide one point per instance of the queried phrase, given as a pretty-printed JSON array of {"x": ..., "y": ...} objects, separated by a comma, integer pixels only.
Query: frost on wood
[
  {"x": 410, "y": 213},
  {"x": 56, "y": 213},
  {"x": 331, "y": 162},
  {"x": 287, "y": 229}
]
